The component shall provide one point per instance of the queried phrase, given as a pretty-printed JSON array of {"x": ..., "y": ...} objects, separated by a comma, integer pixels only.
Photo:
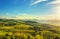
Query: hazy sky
[{"x": 40, "y": 8}]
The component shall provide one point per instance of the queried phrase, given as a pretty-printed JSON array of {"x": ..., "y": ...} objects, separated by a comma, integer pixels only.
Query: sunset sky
[{"x": 44, "y": 9}]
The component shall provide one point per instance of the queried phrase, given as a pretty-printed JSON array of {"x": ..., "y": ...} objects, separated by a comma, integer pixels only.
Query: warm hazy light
[{"x": 53, "y": 8}]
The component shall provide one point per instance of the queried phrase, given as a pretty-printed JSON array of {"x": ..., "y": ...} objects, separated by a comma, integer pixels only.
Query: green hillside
[{"x": 27, "y": 29}]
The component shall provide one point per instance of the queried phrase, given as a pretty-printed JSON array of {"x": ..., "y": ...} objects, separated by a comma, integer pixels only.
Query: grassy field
[{"x": 21, "y": 29}]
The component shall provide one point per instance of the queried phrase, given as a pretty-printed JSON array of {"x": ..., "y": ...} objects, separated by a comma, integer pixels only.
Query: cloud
[
  {"x": 55, "y": 12},
  {"x": 21, "y": 16},
  {"x": 26, "y": 16},
  {"x": 37, "y": 1},
  {"x": 55, "y": 2},
  {"x": 55, "y": 9}
]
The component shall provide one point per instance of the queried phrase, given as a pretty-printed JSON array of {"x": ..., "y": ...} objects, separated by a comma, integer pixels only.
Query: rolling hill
[{"x": 27, "y": 29}]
